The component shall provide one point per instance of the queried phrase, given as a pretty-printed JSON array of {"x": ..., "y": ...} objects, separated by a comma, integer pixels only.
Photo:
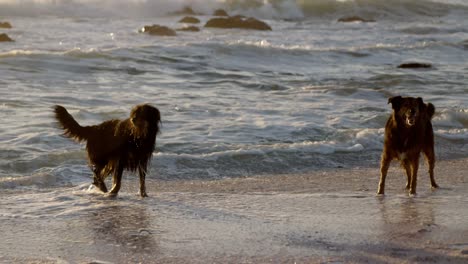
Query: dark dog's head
[
  {"x": 145, "y": 120},
  {"x": 410, "y": 110}
]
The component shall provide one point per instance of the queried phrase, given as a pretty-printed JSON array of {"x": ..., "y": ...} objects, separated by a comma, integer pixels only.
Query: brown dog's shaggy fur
[
  {"x": 408, "y": 132},
  {"x": 116, "y": 145}
]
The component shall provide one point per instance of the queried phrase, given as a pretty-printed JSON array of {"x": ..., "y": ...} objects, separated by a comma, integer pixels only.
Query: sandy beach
[{"x": 329, "y": 216}]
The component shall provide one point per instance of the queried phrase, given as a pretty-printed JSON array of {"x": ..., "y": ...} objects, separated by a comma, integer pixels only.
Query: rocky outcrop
[
  {"x": 191, "y": 29},
  {"x": 189, "y": 20},
  {"x": 5, "y": 25},
  {"x": 220, "y": 12},
  {"x": 186, "y": 11},
  {"x": 414, "y": 65},
  {"x": 158, "y": 30},
  {"x": 237, "y": 22},
  {"x": 354, "y": 19},
  {"x": 5, "y": 38}
]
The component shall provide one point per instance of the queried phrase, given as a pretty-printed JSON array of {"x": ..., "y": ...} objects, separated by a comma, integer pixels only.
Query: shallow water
[{"x": 175, "y": 227}]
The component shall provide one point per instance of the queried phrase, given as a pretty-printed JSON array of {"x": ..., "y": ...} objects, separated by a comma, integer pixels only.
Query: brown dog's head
[
  {"x": 408, "y": 109},
  {"x": 145, "y": 120}
]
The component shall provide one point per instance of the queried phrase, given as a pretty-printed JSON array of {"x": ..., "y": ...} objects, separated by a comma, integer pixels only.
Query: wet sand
[{"x": 329, "y": 216}]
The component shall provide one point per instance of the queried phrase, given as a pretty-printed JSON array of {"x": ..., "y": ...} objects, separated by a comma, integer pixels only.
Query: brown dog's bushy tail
[{"x": 68, "y": 123}]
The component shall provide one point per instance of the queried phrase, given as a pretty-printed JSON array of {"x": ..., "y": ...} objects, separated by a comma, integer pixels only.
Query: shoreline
[
  {"x": 330, "y": 216},
  {"x": 356, "y": 179}
]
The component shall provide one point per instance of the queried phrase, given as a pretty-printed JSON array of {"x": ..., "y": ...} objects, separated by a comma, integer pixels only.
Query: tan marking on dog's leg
[
  {"x": 116, "y": 180},
  {"x": 414, "y": 175},
  {"x": 384, "y": 165},
  {"x": 98, "y": 180},
  {"x": 407, "y": 166},
  {"x": 430, "y": 158},
  {"x": 142, "y": 173}
]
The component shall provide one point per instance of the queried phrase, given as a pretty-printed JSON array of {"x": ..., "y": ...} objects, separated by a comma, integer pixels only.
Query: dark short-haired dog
[
  {"x": 116, "y": 145},
  {"x": 408, "y": 132}
]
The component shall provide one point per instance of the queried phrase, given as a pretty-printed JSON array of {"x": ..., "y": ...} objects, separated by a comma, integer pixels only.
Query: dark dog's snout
[{"x": 411, "y": 116}]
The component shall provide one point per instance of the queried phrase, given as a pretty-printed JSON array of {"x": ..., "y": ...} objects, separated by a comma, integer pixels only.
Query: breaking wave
[{"x": 270, "y": 9}]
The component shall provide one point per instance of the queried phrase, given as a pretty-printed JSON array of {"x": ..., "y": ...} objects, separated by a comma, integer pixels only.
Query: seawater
[{"x": 311, "y": 94}]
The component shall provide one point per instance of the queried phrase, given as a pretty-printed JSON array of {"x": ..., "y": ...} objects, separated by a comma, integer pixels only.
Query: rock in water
[
  {"x": 414, "y": 65},
  {"x": 237, "y": 22},
  {"x": 158, "y": 30},
  {"x": 189, "y": 20},
  {"x": 5, "y": 25},
  {"x": 5, "y": 38},
  {"x": 185, "y": 11},
  {"x": 220, "y": 12}
]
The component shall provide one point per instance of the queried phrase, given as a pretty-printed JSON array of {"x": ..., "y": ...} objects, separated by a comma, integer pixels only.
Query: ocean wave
[
  {"x": 450, "y": 118},
  {"x": 272, "y": 9},
  {"x": 353, "y": 147},
  {"x": 75, "y": 52},
  {"x": 355, "y": 51},
  {"x": 255, "y": 160}
]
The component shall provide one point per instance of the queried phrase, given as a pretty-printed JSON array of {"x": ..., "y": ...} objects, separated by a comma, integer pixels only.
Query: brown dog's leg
[
  {"x": 407, "y": 165},
  {"x": 97, "y": 179},
  {"x": 116, "y": 180},
  {"x": 414, "y": 174},
  {"x": 142, "y": 173},
  {"x": 384, "y": 164},
  {"x": 430, "y": 157}
]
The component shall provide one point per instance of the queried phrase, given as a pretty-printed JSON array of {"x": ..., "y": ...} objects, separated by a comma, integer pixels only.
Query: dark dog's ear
[
  {"x": 157, "y": 119},
  {"x": 420, "y": 100},
  {"x": 396, "y": 102},
  {"x": 430, "y": 110},
  {"x": 421, "y": 104}
]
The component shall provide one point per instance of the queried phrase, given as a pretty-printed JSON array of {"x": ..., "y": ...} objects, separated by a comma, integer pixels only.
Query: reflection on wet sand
[
  {"x": 127, "y": 230},
  {"x": 411, "y": 216}
]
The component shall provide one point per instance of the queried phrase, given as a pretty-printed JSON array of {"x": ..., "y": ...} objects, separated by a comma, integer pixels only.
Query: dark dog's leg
[
  {"x": 97, "y": 179},
  {"x": 407, "y": 165},
  {"x": 414, "y": 174},
  {"x": 116, "y": 179},
  {"x": 430, "y": 157},
  {"x": 142, "y": 172},
  {"x": 384, "y": 165}
]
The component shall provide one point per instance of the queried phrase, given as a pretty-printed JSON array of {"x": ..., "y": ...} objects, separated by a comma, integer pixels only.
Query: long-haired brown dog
[
  {"x": 408, "y": 132},
  {"x": 116, "y": 145}
]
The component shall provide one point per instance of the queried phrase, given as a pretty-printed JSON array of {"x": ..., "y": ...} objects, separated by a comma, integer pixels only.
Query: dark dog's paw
[{"x": 111, "y": 194}]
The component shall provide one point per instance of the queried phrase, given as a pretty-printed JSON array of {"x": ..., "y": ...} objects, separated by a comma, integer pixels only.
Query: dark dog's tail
[
  {"x": 430, "y": 110},
  {"x": 68, "y": 123}
]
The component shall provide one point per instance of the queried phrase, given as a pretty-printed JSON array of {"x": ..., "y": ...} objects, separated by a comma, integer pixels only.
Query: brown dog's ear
[{"x": 396, "y": 102}]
